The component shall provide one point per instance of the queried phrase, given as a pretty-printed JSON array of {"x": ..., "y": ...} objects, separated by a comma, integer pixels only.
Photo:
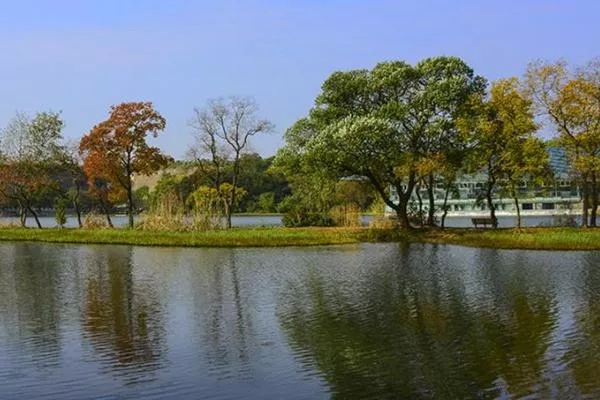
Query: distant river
[
  {"x": 275, "y": 220},
  {"x": 369, "y": 321},
  {"x": 121, "y": 221}
]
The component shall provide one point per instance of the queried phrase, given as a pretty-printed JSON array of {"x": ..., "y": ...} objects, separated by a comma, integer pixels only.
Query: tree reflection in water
[
  {"x": 122, "y": 321},
  {"x": 416, "y": 326},
  {"x": 225, "y": 326},
  {"x": 584, "y": 347}
]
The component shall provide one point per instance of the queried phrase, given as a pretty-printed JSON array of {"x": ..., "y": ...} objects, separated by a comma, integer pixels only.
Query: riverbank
[
  {"x": 525, "y": 239},
  {"x": 531, "y": 238},
  {"x": 236, "y": 237}
]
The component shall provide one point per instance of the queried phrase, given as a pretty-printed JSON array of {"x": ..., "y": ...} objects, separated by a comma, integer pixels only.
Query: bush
[
  {"x": 94, "y": 220},
  {"x": 207, "y": 208},
  {"x": 167, "y": 214},
  {"x": 266, "y": 202},
  {"x": 156, "y": 222},
  {"x": 60, "y": 215},
  {"x": 302, "y": 217},
  {"x": 565, "y": 220},
  {"x": 347, "y": 215},
  {"x": 383, "y": 223}
]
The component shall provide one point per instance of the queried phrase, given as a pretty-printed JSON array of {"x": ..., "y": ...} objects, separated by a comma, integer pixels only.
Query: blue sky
[{"x": 82, "y": 56}]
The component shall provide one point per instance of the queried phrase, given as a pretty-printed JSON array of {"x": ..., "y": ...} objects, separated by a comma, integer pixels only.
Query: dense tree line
[
  {"x": 405, "y": 127},
  {"x": 374, "y": 137},
  {"x": 42, "y": 172}
]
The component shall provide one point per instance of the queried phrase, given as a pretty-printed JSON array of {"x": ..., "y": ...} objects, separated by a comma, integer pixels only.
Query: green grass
[
  {"x": 533, "y": 238},
  {"x": 530, "y": 238},
  {"x": 237, "y": 237}
]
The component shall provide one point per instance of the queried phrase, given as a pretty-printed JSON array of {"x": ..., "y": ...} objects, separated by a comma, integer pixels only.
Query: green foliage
[
  {"x": 380, "y": 123},
  {"x": 301, "y": 217},
  {"x": 209, "y": 205},
  {"x": 141, "y": 197},
  {"x": 505, "y": 143},
  {"x": 60, "y": 213},
  {"x": 266, "y": 202},
  {"x": 94, "y": 221}
]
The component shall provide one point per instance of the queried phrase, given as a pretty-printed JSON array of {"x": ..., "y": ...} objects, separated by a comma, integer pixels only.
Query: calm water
[
  {"x": 275, "y": 220},
  {"x": 365, "y": 321},
  {"x": 121, "y": 221}
]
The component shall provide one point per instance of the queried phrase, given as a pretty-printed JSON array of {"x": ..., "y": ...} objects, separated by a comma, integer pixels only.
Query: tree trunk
[
  {"x": 108, "y": 220},
  {"x": 445, "y": 207},
  {"x": 402, "y": 213},
  {"x": 490, "y": 202},
  {"x": 76, "y": 206},
  {"x": 431, "y": 196},
  {"x": 230, "y": 208},
  {"x": 420, "y": 201},
  {"x": 23, "y": 215},
  {"x": 78, "y": 213},
  {"x": 35, "y": 216},
  {"x": 107, "y": 214},
  {"x": 594, "y": 200},
  {"x": 516, "y": 199},
  {"x": 130, "y": 206},
  {"x": 585, "y": 200},
  {"x": 227, "y": 214}
]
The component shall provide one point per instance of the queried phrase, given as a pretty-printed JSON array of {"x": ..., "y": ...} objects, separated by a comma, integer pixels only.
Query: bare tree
[{"x": 222, "y": 131}]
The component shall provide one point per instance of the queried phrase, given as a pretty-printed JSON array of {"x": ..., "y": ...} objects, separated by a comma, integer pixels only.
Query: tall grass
[
  {"x": 167, "y": 213},
  {"x": 346, "y": 215}
]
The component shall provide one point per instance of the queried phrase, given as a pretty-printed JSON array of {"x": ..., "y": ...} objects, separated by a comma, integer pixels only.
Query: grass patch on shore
[
  {"x": 530, "y": 238},
  {"x": 236, "y": 237}
]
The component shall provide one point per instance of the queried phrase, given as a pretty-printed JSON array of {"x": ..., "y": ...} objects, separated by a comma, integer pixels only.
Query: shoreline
[{"x": 576, "y": 239}]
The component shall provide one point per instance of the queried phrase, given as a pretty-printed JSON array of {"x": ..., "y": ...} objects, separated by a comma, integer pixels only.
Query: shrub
[
  {"x": 94, "y": 220},
  {"x": 383, "y": 223},
  {"x": 565, "y": 220},
  {"x": 347, "y": 215},
  {"x": 166, "y": 214},
  {"x": 60, "y": 215},
  {"x": 301, "y": 217},
  {"x": 207, "y": 209}
]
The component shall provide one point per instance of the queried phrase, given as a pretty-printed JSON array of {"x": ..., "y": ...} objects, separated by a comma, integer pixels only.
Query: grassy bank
[
  {"x": 530, "y": 238},
  {"x": 237, "y": 237},
  {"x": 534, "y": 238}
]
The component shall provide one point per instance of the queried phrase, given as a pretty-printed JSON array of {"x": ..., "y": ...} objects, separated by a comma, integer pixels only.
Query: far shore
[{"x": 529, "y": 238}]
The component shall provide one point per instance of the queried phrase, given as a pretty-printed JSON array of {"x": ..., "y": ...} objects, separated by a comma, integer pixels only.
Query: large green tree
[{"x": 382, "y": 123}]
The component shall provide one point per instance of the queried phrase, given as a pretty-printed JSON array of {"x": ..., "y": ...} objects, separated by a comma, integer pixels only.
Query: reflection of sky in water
[
  {"x": 272, "y": 220},
  {"x": 89, "y": 321}
]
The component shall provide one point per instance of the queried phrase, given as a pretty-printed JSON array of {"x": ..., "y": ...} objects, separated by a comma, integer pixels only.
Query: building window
[{"x": 527, "y": 206}]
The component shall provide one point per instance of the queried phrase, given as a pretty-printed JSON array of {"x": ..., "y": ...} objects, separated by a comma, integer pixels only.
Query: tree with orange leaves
[{"x": 116, "y": 149}]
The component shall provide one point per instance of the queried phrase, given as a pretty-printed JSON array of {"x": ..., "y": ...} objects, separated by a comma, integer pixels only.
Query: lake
[
  {"x": 121, "y": 221},
  {"x": 275, "y": 220},
  {"x": 359, "y": 321}
]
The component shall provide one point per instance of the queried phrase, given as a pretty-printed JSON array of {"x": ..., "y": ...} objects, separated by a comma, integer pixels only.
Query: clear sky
[{"x": 81, "y": 56}]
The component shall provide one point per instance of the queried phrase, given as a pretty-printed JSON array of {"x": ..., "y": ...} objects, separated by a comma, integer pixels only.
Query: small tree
[
  {"x": 60, "y": 213},
  {"x": 116, "y": 149},
  {"x": 32, "y": 150},
  {"x": 570, "y": 101},
  {"x": 222, "y": 132},
  {"x": 505, "y": 145}
]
